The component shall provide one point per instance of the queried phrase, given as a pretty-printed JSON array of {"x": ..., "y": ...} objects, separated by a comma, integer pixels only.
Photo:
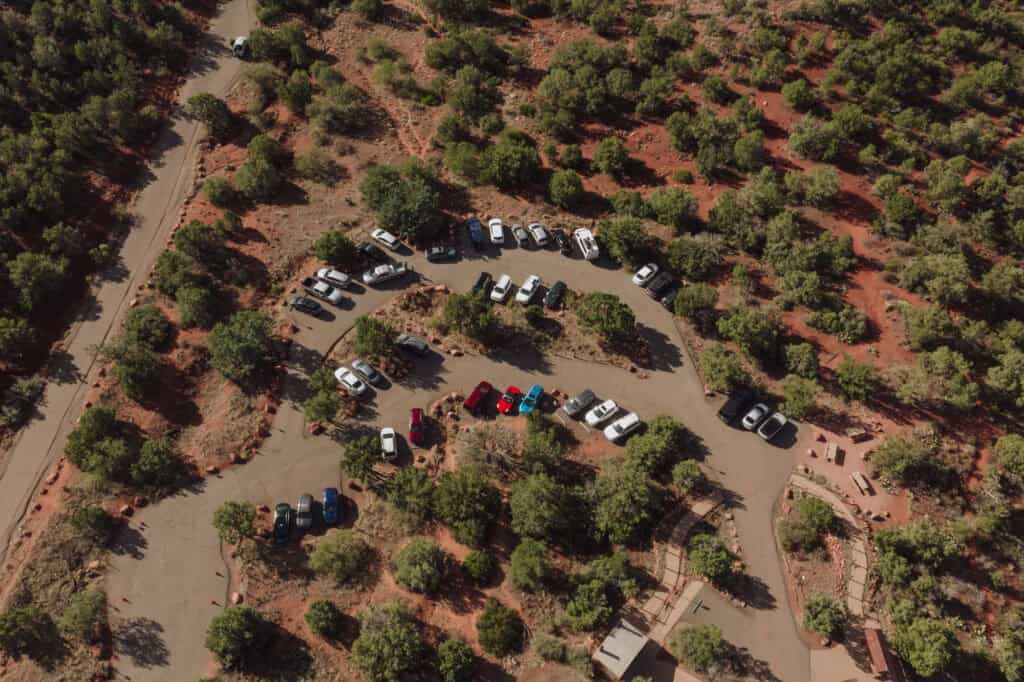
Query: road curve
[
  {"x": 166, "y": 595},
  {"x": 168, "y": 180}
]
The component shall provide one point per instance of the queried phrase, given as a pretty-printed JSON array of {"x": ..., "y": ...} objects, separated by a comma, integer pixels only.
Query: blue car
[
  {"x": 530, "y": 400},
  {"x": 330, "y": 505},
  {"x": 476, "y": 232}
]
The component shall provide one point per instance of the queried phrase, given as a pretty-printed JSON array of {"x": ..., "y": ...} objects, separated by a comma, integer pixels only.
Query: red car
[
  {"x": 417, "y": 427},
  {"x": 476, "y": 398},
  {"x": 508, "y": 400}
]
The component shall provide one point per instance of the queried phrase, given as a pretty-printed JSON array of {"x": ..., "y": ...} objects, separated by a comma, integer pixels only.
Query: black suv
[
  {"x": 660, "y": 283},
  {"x": 553, "y": 299},
  {"x": 737, "y": 404},
  {"x": 483, "y": 283},
  {"x": 371, "y": 252},
  {"x": 563, "y": 242}
]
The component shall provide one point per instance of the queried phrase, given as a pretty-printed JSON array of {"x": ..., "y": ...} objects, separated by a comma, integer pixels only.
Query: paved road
[
  {"x": 171, "y": 593},
  {"x": 157, "y": 206}
]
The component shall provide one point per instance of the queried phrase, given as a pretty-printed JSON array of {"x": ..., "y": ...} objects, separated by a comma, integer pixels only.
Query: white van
[{"x": 588, "y": 246}]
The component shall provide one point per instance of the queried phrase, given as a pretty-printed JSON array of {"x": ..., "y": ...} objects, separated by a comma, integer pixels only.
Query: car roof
[{"x": 536, "y": 388}]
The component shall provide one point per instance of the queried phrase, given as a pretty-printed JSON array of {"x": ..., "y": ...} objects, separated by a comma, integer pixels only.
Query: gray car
[
  {"x": 575, "y": 405},
  {"x": 367, "y": 371},
  {"x": 304, "y": 512},
  {"x": 413, "y": 344}
]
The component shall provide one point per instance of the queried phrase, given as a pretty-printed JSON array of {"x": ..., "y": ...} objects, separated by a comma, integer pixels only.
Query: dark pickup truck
[{"x": 738, "y": 401}]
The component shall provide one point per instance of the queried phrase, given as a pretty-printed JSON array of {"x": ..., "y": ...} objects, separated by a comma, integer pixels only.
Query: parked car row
[
  {"x": 536, "y": 234},
  {"x": 302, "y": 516},
  {"x": 526, "y": 294},
  {"x": 754, "y": 415},
  {"x": 616, "y": 425},
  {"x": 659, "y": 284},
  {"x": 585, "y": 405}
]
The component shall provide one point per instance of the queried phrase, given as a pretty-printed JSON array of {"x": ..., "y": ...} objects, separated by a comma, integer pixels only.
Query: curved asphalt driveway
[
  {"x": 163, "y": 189},
  {"x": 165, "y": 587}
]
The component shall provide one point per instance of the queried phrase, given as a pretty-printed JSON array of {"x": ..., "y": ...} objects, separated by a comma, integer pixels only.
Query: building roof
[{"x": 620, "y": 648}]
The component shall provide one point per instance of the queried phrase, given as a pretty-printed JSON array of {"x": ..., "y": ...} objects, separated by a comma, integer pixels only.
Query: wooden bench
[{"x": 861, "y": 482}]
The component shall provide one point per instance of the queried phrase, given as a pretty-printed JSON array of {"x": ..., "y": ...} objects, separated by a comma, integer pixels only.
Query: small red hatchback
[
  {"x": 508, "y": 400},
  {"x": 417, "y": 429}
]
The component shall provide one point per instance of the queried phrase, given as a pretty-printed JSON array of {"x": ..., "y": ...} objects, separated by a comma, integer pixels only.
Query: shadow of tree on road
[
  {"x": 141, "y": 639},
  {"x": 745, "y": 664},
  {"x": 130, "y": 542}
]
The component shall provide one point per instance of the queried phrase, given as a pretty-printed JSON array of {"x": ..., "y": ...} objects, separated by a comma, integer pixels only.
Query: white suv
[
  {"x": 497, "y": 231},
  {"x": 529, "y": 290},
  {"x": 501, "y": 289},
  {"x": 538, "y": 233},
  {"x": 622, "y": 427},
  {"x": 386, "y": 238}
]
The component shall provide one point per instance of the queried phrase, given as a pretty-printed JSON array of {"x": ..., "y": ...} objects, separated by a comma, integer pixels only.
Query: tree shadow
[
  {"x": 663, "y": 354},
  {"x": 61, "y": 368},
  {"x": 753, "y": 590},
  {"x": 129, "y": 541},
  {"x": 745, "y": 664},
  {"x": 286, "y": 657},
  {"x": 141, "y": 639}
]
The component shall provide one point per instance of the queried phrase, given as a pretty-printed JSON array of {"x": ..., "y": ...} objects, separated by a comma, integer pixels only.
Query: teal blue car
[{"x": 531, "y": 399}]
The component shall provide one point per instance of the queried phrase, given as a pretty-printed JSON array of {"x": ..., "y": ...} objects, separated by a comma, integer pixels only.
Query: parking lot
[{"x": 180, "y": 591}]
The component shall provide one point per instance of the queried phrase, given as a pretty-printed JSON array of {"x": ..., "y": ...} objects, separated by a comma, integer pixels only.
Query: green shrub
[
  {"x": 612, "y": 157},
  {"x": 324, "y": 618},
  {"x": 240, "y": 347},
  {"x": 687, "y": 475},
  {"x": 157, "y": 465},
  {"x": 317, "y": 165},
  {"x": 709, "y": 557},
  {"x": 699, "y": 647},
  {"x": 85, "y": 615},
  {"x": 529, "y": 566},
  {"x": 340, "y": 554},
  {"x": 237, "y": 635},
  {"x": 212, "y": 112},
  {"x": 197, "y": 307},
  {"x": 824, "y": 615},
  {"x": 606, "y": 316},
  {"x": 566, "y": 189},
  {"x": 219, "y": 191},
  {"x": 419, "y": 565},
  {"x": 499, "y": 629},
  {"x": 480, "y": 567},
  {"x": 146, "y": 327},
  {"x": 93, "y": 521},
  {"x": 336, "y": 249}
]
